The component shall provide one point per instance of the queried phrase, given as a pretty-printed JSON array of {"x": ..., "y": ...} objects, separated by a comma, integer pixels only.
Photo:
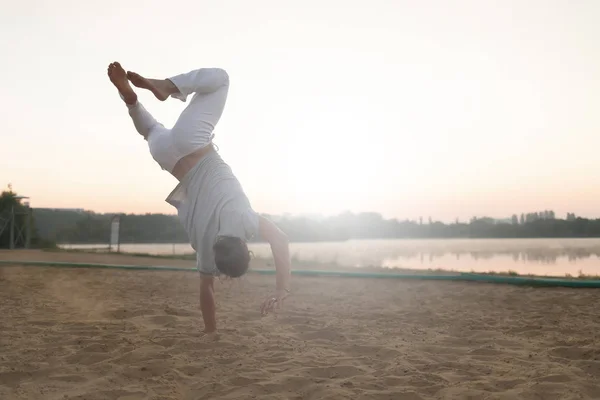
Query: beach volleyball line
[{"x": 465, "y": 276}]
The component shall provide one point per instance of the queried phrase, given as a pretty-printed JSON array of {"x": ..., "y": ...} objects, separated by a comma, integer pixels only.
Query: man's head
[{"x": 231, "y": 256}]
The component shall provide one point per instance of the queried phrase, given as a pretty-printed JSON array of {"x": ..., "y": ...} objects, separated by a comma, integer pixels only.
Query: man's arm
[{"x": 281, "y": 252}]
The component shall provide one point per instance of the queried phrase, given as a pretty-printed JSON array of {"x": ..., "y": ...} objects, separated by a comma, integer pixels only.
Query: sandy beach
[{"x": 109, "y": 334}]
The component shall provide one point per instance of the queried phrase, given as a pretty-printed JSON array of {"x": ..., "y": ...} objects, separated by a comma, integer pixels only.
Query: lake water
[{"x": 525, "y": 256}]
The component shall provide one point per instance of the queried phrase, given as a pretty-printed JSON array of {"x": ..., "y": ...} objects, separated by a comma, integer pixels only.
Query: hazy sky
[{"x": 408, "y": 108}]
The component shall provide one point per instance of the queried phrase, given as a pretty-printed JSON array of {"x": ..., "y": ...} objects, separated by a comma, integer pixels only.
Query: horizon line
[{"x": 313, "y": 215}]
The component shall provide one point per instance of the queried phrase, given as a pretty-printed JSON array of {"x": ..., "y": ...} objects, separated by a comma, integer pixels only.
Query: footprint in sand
[
  {"x": 576, "y": 353},
  {"x": 180, "y": 312},
  {"x": 124, "y": 313},
  {"x": 113, "y": 394},
  {"x": 167, "y": 321},
  {"x": 338, "y": 371},
  {"x": 87, "y": 358},
  {"x": 69, "y": 378},
  {"x": 555, "y": 378}
]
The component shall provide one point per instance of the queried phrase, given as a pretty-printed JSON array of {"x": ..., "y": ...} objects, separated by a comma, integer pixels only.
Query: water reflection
[
  {"x": 571, "y": 261},
  {"x": 525, "y": 256},
  {"x": 543, "y": 256}
]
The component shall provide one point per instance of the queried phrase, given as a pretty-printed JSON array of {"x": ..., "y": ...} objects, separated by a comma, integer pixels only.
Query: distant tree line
[{"x": 88, "y": 227}]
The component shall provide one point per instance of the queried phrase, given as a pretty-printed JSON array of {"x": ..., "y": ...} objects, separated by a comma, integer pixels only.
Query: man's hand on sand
[{"x": 274, "y": 302}]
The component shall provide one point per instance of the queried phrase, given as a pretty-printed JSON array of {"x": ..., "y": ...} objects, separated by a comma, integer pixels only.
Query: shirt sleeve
[{"x": 250, "y": 221}]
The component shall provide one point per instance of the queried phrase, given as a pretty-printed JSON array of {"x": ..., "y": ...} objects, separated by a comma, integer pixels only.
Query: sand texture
[{"x": 128, "y": 335}]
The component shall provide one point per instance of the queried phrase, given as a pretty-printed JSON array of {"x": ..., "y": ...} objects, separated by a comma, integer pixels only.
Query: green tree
[{"x": 9, "y": 201}]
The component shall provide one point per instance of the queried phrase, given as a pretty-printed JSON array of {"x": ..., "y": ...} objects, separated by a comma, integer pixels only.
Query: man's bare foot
[
  {"x": 159, "y": 88},
  {"x": 118, "y": 77},
  {"x": 210, "y": 337}
]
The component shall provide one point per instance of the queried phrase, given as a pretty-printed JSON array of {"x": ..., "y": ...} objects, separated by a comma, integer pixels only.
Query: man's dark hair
[{"x": 231, "y": 256}]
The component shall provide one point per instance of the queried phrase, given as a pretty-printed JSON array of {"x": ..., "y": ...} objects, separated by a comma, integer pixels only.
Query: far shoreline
[{"x": 330, "y": 267}]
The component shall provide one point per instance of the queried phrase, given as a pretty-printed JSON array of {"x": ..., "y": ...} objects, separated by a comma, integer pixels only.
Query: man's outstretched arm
[{"x": 281, "y": 254}]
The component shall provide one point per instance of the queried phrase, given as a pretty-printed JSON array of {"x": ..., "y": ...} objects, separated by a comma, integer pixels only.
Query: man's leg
[
  {"x": 211, "y": 87},
  {"x": 202, "y": 80},
  {"x": 161, "y": 88},
  {"x": 207, "y": 303},
  {"x": 118, "y": 77},
  {"x": 143, "y": 121}
]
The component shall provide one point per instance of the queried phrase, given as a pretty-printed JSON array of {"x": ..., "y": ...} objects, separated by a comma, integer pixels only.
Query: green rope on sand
[{"x": 512, "y": 280}]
